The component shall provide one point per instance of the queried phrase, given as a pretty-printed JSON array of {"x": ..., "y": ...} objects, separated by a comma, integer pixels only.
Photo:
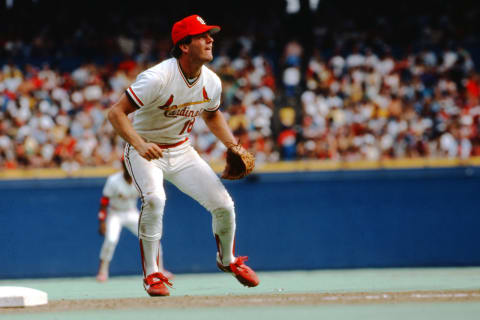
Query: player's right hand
[
  {"x": 102, "y": 228},
  {"x": 150, "y": 151}
]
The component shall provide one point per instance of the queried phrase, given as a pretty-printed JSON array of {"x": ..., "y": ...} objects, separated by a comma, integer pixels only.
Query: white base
[{"x": 21, "y": 297}]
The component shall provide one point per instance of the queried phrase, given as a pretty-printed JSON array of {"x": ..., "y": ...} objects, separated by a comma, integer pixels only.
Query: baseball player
[
  {"x": 118, "y": 208},
  {"x": 166, "y": 101}
]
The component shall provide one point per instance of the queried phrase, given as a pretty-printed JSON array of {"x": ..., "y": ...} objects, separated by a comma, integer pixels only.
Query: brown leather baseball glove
[{"x": 240, "y": 162}]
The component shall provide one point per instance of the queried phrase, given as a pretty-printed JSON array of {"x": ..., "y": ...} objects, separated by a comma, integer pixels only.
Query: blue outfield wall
[{"x": 307, "y": 220}]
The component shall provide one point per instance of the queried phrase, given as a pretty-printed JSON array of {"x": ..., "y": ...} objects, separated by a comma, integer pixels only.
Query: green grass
[{"x": 333, "y": 281}]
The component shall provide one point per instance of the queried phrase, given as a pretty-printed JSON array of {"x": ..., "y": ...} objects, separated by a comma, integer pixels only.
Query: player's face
[{"x": 201, "y": 47}]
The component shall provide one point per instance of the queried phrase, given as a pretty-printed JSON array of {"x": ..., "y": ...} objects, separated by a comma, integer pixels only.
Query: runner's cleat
[{"x": 102, "y": 277}]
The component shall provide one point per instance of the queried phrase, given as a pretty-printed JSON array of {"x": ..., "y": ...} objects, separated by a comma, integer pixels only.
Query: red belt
[{"x": 173, "y": 145}]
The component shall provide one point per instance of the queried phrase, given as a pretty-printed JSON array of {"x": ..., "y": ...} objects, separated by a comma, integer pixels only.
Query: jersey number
[{"x": 188, "y": 126}]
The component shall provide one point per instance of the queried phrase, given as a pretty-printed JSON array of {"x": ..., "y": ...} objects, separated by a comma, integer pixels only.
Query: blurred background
[
  {"x": 335, "y": 84},
  {"x": 335, "y": 80}
]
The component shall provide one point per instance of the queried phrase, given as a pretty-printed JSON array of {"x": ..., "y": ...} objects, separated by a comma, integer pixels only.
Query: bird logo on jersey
[{"x": 182, "y": 109}]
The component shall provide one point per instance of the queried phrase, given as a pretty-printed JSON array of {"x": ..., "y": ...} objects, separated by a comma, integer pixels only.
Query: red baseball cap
[{"x": 190, "y": 26}]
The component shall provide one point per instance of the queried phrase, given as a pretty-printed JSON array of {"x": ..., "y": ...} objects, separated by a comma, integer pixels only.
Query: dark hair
[{"x": 176, "y": 51}]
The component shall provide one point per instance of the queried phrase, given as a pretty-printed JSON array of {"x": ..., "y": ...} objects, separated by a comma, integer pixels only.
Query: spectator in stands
[{"x": 370, "y": 98}]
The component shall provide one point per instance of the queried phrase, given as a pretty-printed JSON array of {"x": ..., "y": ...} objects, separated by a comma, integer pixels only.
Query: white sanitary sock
[
  {"x": 223, "y": 224},
  {"x": 149, "y": 251}
]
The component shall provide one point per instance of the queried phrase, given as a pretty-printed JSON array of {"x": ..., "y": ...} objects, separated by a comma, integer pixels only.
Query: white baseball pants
[
  {"x": 114, "y": 223},
  {"x": 183, "y": 167}
]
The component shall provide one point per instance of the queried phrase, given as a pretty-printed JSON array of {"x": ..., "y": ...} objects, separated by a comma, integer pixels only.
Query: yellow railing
[{"x": 290, "y": 166}]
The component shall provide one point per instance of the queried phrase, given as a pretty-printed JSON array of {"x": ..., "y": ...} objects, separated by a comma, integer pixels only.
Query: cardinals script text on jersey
[{"x": 168, "y": 104}]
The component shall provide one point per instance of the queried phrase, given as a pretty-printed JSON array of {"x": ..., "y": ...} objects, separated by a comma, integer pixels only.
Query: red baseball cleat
[
  {"x": 102, "y": 277},
  {"x": 154, "y": 284},
  {"x": 244, "y": 274}
]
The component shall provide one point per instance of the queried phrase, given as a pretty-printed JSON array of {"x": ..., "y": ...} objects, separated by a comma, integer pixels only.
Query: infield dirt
[{"x": 284, "y": 299}]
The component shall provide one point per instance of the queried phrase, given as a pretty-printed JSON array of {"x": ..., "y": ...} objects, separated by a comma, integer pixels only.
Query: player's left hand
[{"x": 240, "y": 163}]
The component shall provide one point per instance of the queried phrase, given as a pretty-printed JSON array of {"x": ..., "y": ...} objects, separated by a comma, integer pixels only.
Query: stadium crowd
[{"x": 347, "y": 99}]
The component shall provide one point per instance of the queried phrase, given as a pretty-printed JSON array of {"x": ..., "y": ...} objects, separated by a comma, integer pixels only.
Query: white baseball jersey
[
  {"x": 168, "y": 104},
  {"x": 122, "y": 195}
]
